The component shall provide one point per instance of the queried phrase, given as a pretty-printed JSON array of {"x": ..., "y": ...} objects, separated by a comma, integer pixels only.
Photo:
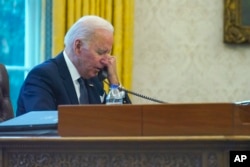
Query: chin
[{"x": 93, "y": 75}]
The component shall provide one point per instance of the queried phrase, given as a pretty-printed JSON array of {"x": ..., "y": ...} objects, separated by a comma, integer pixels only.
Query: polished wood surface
[
  {"x": 99, "y": 120},
  {"x": 155, "y": 120},
  {"x": 188, "y": 119}
]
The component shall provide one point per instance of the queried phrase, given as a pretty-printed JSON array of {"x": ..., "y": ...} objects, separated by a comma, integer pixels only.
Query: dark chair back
[{"x": 6, "y": 109}]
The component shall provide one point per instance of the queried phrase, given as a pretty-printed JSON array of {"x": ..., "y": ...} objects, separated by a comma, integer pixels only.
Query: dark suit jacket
[{"x": 49, "y": 85}]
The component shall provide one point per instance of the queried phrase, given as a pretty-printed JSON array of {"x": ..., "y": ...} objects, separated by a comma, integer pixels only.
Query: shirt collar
[{"x": 72, "y": 69}]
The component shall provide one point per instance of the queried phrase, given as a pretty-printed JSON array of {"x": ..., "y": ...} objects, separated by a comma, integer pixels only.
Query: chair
[{"x": 6, "y": 109}]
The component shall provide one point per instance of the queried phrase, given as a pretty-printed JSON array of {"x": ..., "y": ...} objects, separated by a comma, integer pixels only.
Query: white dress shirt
[{"x": 74, "y": 74}]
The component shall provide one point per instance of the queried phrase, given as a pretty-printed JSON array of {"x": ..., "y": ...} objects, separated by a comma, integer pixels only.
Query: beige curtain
[{"x": 119, "y": 12}]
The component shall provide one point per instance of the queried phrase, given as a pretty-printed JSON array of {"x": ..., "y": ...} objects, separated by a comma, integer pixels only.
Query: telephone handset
[{"x": 103, "y": 74}]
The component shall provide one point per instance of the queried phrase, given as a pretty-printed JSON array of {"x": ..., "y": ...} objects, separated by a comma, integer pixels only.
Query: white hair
[{"x": 84, "y": 29}]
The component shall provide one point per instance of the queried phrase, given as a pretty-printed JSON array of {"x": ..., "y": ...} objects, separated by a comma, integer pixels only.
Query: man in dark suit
[{"x": 88, "y": 44}]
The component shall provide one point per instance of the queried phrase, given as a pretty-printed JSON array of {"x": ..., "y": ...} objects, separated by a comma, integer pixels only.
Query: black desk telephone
[{"x": 103, "y": 74}]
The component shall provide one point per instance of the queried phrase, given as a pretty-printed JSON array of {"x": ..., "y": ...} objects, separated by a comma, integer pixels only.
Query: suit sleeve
[{"x": 37, "y": 92}]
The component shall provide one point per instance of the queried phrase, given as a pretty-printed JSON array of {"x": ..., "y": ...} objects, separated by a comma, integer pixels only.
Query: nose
[{"x": 105, "y": 59}]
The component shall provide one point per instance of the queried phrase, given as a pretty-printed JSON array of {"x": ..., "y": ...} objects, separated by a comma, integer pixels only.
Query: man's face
[{"x": 91, "y": 58}]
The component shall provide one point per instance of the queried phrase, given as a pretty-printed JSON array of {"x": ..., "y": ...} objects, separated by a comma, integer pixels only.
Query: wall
[{"x": 179, "y": 54}]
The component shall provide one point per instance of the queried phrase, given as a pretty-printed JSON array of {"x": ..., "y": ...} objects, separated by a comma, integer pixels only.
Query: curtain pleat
[
  {"x": 59, "y": 26},
  {"x": 78, "y": 9},
  {"x": 128, "y": 43},
  {"x": 85, "y": 7},
  {"x": 70, "y": 13},
  {"x": 119, "y": 12}
]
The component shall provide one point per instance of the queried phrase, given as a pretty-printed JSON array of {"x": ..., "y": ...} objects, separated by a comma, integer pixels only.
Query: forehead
[{"x": 102, "y": 39}]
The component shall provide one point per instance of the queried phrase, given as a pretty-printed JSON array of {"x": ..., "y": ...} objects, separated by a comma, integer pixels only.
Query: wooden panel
[
  {"x": 184, "y": 151},
  {"x": 188, "y": 119},
  {"x": 242, "y": 120},
  {"x": 100, "y": 120},
  {"x": 154, "y": 120}
]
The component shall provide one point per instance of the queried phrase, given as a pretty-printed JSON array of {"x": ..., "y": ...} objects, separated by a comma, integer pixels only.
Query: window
[{"x": 23, "y": 23}]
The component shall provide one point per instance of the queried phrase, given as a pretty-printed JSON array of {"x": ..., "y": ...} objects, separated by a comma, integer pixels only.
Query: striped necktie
[{"x": 84, "y": 99}]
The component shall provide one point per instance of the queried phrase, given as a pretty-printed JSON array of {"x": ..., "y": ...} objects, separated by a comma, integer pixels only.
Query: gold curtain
[{"x": 119, "y": 12}]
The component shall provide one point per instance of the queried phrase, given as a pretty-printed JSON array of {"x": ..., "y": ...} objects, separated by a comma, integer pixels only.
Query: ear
[{"x": 77, "y": 46}]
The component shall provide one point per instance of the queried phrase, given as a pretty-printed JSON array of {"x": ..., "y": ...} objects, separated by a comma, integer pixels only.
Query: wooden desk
[
  {"x": 174, "y": 151},
  {"x": 176, "y": 135}
]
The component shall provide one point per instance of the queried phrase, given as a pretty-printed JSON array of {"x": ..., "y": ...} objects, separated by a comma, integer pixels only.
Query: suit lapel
[{"x": 66, "y": 78}]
